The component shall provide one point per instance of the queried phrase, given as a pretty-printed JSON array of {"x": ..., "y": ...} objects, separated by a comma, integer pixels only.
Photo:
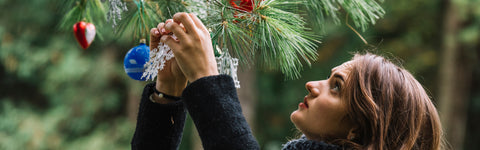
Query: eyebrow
[
  {"x": 338, "y": 76},
  {"x": 333, "y": 69}
]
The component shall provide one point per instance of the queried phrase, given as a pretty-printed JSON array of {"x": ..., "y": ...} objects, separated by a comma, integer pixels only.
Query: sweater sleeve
[
  {"x": 213, "y": 104},
  {"x": 159, "y": 126}
]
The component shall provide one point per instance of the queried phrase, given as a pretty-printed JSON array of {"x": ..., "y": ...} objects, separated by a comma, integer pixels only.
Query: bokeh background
[{"x": 54, "y": 95}]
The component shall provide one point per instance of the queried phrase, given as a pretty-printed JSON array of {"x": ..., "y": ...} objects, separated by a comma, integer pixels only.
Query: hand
[
  {"x": 193, "y": 48},
  {"x": 171, "y": 79}
]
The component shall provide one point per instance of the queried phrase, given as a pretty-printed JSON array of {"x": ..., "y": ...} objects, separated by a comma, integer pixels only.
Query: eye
[{"x": 336, "y": 87}]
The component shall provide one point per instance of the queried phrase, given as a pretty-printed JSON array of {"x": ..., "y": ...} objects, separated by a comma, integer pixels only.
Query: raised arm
[
  {"x": 159, "y": 126},
  {"x": 211, "y": 99},
  {"x": 213, "y": 104},
  {"x": 161, "y": 120}
]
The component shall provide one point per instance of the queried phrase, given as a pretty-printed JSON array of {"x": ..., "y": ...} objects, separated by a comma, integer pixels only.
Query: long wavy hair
[{"x": 390, "y": 108}]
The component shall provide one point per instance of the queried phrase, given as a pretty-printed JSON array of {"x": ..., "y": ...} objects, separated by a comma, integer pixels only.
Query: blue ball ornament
[{"x": 135, "y": 60}]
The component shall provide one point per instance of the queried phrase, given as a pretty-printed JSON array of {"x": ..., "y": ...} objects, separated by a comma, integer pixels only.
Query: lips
[{"x": 305, "y": 101}]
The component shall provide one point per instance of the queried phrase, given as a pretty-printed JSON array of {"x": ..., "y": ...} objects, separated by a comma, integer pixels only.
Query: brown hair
[{"x": 390, "y": 108}]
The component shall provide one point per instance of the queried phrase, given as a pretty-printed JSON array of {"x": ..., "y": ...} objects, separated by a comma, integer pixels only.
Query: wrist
[
  {"x": 198, "y": 76},
  {"x": 161, "y": 100},
  {"x": 173, "y": 88}
]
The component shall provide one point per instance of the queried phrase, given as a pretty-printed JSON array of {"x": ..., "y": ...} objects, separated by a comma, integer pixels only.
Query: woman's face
[{"x": 322, "y": 112}]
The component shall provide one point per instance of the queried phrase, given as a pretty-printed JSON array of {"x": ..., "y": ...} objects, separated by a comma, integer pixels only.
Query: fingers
[
  {"x": 161, "y": 28},
  {"x": 185, "y": 19},
  {"x": 197, "y": 22},
  {"x": 154, "y": 38},
  {"x": 176, "y": 29},
  {"x": 154, "y": 34},
  {"x": 161, "y": 34},
  {"x": 170, "y": 41}
]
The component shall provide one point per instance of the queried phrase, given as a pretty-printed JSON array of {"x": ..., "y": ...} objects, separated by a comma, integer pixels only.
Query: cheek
[
  {"x": 328, "y": 108},
  {"x": 325, "y": 117}
]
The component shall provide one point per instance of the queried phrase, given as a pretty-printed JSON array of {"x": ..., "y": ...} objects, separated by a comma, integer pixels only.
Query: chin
[{"x": 295, "y": 117}]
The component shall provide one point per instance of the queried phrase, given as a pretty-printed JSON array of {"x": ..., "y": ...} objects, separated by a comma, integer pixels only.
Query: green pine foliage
[
  {"x": 146, "y": 15},
  {"x": 270, "y": 35},
  {"x": 138, "y": 22},
  {"x": 284, "y": 39},
  {"x": 274, "y": 35},
  {"x": 233, "y": 36},
  {"x": 92, "y": 11},
  {"x": 168, "y": 8},
  {"x": 362, "y": 12}
]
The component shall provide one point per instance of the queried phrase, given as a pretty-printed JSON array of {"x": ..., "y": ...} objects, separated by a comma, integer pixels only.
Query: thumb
[{"x": 171, "y": 42}]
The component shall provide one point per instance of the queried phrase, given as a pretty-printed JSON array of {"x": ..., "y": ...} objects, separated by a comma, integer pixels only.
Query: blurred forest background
[{"x": 54, "y": 95}]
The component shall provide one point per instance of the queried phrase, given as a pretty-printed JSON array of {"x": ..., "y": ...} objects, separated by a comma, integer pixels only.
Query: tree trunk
[
  {"x": 247, "y": 93},
  {"x": 455, "y": 76},
  {"x": 134, "y": 93}
]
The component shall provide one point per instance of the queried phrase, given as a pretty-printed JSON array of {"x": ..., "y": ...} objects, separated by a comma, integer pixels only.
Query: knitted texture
[
  {"x": 213, "y": 104},
  {"x": 159, "y": 126},
  {"x": 304, "y": 144}
]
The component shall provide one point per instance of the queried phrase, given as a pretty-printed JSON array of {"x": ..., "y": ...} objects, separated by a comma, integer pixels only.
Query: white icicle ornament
[
  {"x": 158, "y": 57},
  {"x": 162, "y": 53},
  {"x": 226, "y": 64}
]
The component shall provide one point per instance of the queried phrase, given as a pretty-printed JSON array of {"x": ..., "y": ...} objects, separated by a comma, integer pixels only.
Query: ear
[{"x": 352, "y": 134}]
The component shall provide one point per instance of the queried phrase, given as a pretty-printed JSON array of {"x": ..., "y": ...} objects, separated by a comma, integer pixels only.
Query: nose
[{"x": 313, "y": 87}]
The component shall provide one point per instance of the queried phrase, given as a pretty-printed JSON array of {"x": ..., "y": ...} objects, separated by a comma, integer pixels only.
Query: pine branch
[
  {"x": 88, "y": 10},
  {"x": 276, "y": 37},
  {"x": 285, "y": 41},
  {"x": 168, "y": 8},
  {"x": 73, "y": 16},
  {"x": 235, "y": 38},
  {"x": 362, "y": 12},
  {"x": 139, "y": 21},
  {"x": 272, "y": 32}
]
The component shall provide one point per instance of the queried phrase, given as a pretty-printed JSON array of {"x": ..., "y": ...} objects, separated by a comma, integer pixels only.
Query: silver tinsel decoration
[{"x": 115, "y": 11}]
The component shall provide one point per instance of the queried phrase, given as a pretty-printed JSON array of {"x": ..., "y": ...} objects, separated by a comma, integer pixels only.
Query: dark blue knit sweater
[{"x": 213, "y": 105}]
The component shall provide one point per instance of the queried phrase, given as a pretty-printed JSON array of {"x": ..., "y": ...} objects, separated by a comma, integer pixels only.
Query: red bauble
[
  {"x": 84, "y": 33},
  {"x": 246, "y": 5}
]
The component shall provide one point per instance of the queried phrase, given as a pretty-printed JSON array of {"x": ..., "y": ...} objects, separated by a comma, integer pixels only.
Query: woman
[{"x": 367, "y": 103}]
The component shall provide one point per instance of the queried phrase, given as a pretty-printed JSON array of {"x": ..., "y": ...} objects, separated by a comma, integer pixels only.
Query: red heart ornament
[{"x": 84, "y": 33}]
